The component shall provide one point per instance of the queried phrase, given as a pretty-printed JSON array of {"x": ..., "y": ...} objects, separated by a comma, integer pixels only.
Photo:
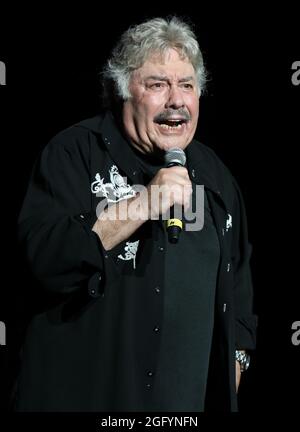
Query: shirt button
[
  {"x": 193, "y": 173},
  {"x": 156, "y": 329},
  {"x": 157, "y": 290},
  {"x": 148, "y": 386},
  {"x": 224, "y": 307},
  {"x": 82, "y": 217},
  {"x": 133, "y": 173},
  {"x": 223, "y": 232},
  {"x": 160, "y": 248},
  {"x": 150, "y": 373},
  {"x": 228, "y": 267}
]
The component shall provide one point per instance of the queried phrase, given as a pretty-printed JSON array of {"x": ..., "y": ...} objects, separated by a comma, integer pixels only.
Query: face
[{"x": 163, "y": 110}]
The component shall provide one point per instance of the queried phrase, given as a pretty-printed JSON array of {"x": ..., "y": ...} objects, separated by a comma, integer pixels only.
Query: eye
[
  {"x": 187, "y": 86},
  {"x": 157, "y": 85}
]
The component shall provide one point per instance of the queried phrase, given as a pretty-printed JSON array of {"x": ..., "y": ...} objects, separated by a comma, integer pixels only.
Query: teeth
[{"x": 178, "y": 126}]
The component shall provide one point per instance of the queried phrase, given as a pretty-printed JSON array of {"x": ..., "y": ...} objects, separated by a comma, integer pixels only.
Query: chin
[{"x": 169, "y": 145}]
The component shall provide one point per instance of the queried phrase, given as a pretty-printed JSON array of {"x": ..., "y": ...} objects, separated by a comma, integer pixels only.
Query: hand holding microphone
[{"x": 176, "y": 189}]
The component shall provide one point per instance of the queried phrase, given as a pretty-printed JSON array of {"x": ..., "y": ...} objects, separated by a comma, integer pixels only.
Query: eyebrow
[{"x": 165, "y": 78}]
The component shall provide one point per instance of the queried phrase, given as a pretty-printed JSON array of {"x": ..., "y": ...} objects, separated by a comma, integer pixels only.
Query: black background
[{"x": 249, "y": 115}]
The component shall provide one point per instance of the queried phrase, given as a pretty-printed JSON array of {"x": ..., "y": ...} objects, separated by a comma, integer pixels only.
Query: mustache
[{"x": 170, "y": 113}]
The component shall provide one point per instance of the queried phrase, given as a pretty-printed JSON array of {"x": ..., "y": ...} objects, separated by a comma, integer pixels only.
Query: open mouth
[{"x": 172, "y": 124}]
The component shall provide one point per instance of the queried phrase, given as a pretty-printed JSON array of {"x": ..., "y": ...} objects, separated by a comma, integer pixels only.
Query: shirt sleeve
[
  {"x": 245, "y": 319},
  {"x": 56, "y": 219}
]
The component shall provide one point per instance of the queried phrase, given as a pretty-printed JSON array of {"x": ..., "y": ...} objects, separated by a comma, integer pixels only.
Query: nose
[{"x": 175, "y": 98}]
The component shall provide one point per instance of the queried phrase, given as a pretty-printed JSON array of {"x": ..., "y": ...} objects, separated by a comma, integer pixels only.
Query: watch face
[{"x": 247, "y": 362}]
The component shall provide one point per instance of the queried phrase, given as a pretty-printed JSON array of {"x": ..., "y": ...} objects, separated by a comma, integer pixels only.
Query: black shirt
[
  {"x": 92, "y": 341},
  {"x": 188, "y": 313}
]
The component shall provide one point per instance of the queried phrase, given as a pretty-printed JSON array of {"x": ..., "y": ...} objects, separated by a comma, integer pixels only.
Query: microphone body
[{"x": 174, "y": 157}]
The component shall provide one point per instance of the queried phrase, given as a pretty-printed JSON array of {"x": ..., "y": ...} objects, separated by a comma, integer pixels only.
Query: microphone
[{"x": 174, "y": 157}]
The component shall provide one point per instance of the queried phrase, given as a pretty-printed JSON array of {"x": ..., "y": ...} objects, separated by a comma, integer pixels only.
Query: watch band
[{"x": 243, "y": 358}]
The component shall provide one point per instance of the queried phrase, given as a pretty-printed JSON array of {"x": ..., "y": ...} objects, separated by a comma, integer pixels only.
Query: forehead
[{"x": 169, "y": 64}]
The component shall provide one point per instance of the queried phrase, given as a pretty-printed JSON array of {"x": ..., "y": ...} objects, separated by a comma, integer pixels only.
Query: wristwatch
[{"x": 243, "y": 358}]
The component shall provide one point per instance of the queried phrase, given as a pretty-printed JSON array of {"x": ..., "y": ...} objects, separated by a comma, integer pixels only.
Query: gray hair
[{"x": 140, "y": 42}]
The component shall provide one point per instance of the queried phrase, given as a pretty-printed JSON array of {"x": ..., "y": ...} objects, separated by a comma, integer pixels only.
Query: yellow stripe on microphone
[{"x": 174, "y": 222}]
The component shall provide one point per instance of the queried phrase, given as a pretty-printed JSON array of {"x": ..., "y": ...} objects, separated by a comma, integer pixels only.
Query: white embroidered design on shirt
[
  {"x": 130, "y": 251},
  {"x": 228, "y": 222},
  {"x": 116, "y": 190}
]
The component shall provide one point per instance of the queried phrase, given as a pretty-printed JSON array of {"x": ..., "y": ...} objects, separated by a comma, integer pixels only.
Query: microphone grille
[{"x": 175, "y": 156}]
